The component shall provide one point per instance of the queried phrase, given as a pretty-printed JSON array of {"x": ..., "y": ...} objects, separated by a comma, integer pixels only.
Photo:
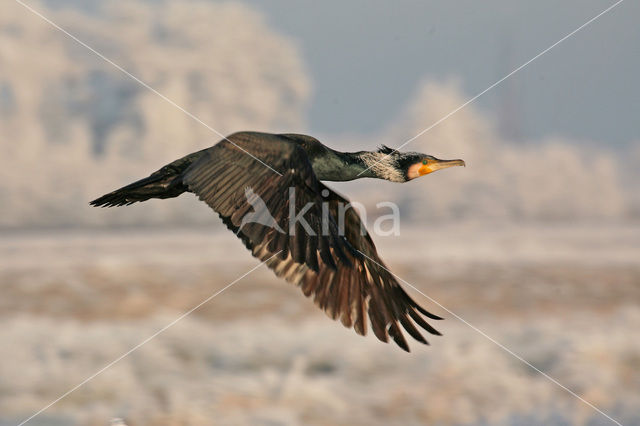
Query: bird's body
[{"x": 328, "y": 252}]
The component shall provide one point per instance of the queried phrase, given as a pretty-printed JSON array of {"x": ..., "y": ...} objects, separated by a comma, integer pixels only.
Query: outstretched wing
[
  {"x": 340, "y": 270},
  {"x": 368, "y": 287}
]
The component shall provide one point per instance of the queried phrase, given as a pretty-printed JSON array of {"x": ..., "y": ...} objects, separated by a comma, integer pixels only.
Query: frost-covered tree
[{"x": 73, "y": 125}]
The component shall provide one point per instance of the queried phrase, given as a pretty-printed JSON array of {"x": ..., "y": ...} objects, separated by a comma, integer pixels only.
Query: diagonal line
[
  {"x": 500, "y": 345},
  {"x": 171, "y": 324},
  {"x": 501, "y": 80},
  {"x": 142, "y": 83}
]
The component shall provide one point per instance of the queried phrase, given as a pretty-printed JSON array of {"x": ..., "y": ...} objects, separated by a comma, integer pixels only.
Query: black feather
[
  {"x": 341, "y": 271},
  {"x": 385, "y": 150}
]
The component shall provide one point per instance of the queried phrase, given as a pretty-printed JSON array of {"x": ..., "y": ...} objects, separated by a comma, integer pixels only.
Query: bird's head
[
  {"x": 415, "y": 164},
  {"x": 424, "y": 164}
]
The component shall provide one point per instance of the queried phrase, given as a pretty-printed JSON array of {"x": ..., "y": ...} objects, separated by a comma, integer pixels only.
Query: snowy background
[{"x": 536, "y": 242}]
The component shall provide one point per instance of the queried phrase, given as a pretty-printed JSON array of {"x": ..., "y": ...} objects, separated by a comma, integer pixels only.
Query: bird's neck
[{"x": 334, "y": 165}]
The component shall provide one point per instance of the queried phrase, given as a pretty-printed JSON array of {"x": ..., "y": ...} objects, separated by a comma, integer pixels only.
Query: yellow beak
[{"x": 435, "y": 164}]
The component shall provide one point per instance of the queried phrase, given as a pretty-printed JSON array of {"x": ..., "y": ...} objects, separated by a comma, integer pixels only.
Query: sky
[{"x": 367, "y": 57}]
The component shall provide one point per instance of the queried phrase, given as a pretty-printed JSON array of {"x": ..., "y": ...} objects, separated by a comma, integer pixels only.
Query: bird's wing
[
  {"x": 367, "y": 287},
  {"x": 341, "y": 270}
]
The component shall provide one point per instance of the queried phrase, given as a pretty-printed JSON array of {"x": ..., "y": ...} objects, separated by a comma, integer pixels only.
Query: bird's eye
[{"x": 424, "y": 162}]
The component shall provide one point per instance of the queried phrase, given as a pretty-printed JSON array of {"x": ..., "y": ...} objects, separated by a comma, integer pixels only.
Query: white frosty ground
[{"x": 564, "y": 298}]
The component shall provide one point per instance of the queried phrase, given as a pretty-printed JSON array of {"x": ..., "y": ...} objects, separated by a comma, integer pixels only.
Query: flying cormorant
[{"x": 330, "y": 258}]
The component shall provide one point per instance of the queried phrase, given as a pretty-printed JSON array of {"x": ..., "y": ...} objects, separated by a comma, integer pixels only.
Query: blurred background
[{"x": 536, "y": 242}]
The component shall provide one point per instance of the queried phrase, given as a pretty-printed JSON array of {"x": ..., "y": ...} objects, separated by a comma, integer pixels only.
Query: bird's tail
[{"x": 165, "y": 183}]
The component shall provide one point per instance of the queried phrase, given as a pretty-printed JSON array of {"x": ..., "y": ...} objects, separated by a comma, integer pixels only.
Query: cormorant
[{"x": 330, "y": 258}]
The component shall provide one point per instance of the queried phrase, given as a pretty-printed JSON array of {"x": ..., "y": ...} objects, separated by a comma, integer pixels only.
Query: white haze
[
  {"x": 73, "y": 127},
  {"x": 541, "y": 180}
]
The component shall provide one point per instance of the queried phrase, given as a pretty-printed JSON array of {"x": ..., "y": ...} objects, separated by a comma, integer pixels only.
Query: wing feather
[{"x": 343, "y": 274}]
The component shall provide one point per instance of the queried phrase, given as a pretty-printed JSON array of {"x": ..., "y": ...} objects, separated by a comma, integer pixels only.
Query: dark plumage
[
  {"x": 385, "y": 150},
  {"x": 340, "y": 270}
]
